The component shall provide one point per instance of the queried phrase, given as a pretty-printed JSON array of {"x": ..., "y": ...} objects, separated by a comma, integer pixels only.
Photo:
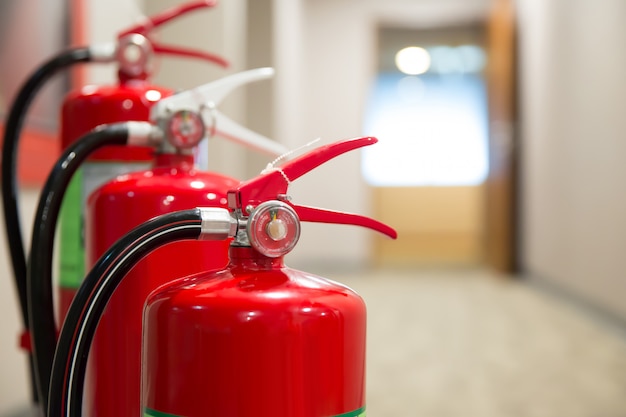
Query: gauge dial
[
  {"x": 273, "y": 228},
  {"x": 186, "y": 129}
]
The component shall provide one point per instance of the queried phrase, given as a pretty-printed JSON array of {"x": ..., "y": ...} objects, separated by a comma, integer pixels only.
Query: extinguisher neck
[
  {"x": 126, "y": 78},
  {"x": 250, "y": 259},
  {"x": 166, "y": 160}
]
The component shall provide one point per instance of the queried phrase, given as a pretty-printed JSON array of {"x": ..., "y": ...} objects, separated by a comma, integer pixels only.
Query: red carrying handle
[
  {"x": 273, "y": 185},
  {"x": 316, "y": 215},
  {"x": 159, "y": 19},
  {"x": 275, "y": 182},
  {"x": 164, "y": 17}
]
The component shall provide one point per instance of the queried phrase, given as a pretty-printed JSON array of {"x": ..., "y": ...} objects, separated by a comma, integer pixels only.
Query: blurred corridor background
[{"x": 501, "y": 127}]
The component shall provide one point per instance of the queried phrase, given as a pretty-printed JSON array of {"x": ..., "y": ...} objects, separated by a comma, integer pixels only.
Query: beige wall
[
  {"x": 573, "y": 56},
  {"x": 106, "y": 19}
]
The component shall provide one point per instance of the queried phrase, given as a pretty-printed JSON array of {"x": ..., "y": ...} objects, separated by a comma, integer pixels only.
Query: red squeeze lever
[
  {"x": 139, "y": 35},
  {"x": 272, "y": 184}
]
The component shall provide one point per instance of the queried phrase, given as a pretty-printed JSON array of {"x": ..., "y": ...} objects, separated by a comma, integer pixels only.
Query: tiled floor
[{"x": 458, "y": 343}]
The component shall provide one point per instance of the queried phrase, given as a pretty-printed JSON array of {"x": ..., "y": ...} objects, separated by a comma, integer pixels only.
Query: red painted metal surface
[
  {"x": 114, "y": 373},
  {"x": 91, "y": 106},
  {"x": 255, "y": 339},
  {"x": 159, "y": 19}
]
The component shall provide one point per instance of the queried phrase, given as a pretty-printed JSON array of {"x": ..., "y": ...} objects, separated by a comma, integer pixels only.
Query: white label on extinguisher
[
  {"x": 88, "y": 178},
  {"x": 96, "y": 174}
]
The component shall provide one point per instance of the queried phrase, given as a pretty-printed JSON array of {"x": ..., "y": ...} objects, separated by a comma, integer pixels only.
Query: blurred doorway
[{"x": 445, "y": 166}]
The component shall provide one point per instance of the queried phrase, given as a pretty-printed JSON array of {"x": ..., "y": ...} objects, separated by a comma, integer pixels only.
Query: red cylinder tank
[
  {"x": 113, "y": 378},
  {"x": 83, "y": 110},
  {"x": 255, "y": 339}
]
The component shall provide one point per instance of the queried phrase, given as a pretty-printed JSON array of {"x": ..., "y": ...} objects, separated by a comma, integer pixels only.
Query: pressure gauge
[
  {"x": 273, "y": 228},
  {"x": 186, "y": 129}
]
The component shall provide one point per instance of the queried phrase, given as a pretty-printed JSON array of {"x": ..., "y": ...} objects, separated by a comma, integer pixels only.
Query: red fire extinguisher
[
  {"x": 173, "y": 183},
  {"x": 256, "y": 338},
  {"x": 178, "y": 124},
  {"x": 83, "y": 110},
  {"x": 91, "y": 106}
]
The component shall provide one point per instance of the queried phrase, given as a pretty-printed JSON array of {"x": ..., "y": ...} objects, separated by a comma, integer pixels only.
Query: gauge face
[
  {"x": 186, "y": 129},
  {"x": 273, "y": 228}
]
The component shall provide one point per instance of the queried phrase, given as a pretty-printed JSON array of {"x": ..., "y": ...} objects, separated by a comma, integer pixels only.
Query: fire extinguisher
[
  {"x": 90, "y": 106},
  {"x": 84, "y": 110},
  {"x": 256, "y": 338},
  {"x": 178, "y": 124},
  {"x": 172, "y": 184}
]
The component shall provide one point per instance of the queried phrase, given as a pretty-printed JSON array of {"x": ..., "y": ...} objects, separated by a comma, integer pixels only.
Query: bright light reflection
[
  {"x": 89, "y": 90},
  {"x": 413, "y": 60},
  {"x": 198, "y": 185},
  {"x": 278, "y": 295},
  {"x": 153, "y": 95},
  {"x": 440, "y": 139},
  {"x": 167, "y": 200}
]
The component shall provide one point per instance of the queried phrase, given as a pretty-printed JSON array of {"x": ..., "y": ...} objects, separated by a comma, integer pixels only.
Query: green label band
[
  {"x": 88, "y": 178},
  {"x": 72, "y": 252},
  {"x": 147, "y": 412},
  {"x": 357, "y": 413}
]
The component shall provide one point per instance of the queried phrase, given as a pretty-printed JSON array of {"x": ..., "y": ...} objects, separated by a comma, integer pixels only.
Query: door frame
[{"x": 502, "y": 195}]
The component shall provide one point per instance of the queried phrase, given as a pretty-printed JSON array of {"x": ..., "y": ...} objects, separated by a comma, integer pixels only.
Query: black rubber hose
[
  {"x": 39, "y": 276},
  {"x": 70, "y": 361},
  {"x": 13, "y": 128}
]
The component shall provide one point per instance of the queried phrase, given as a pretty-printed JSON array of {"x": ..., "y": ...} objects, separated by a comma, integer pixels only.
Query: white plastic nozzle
[
  {"x": 232, "y": 130},
  {"x": 208, "y": 96}
]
